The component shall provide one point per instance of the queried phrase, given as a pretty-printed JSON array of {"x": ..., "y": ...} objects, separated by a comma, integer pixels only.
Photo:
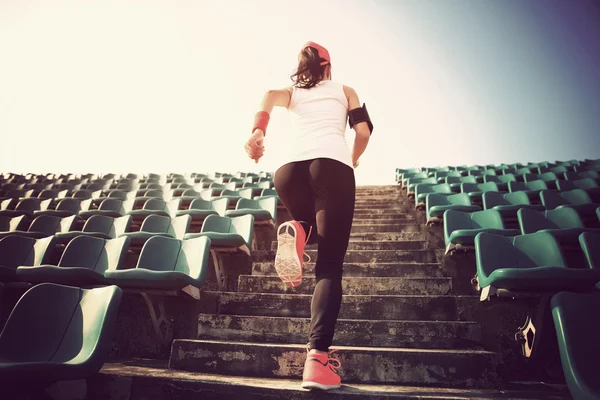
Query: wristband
[{"x": 261, "y": 120}]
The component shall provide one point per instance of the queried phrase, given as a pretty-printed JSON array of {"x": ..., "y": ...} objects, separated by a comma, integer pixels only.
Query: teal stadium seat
[
  {"x": 166, "y": 264},
  {"x": 590, "y": 244},
  {"x": 8, "y": 224},
  {"x": 19, "y": 250},
  {"x": 99, "y": 226},
  {"x": 83, "y": 263},
  {"x": 159, "y": 225},
  {"x": 26, "y": 207},
  {"x": 264, "y": 211},
  {"x": 437, "y": 204},
  {"x": 56, "y": 333},
  {"x": 476, "y": 190},
  {"x": 43, "y": 226},
  {"x": 456, "y": 182},
  {"x": 460, "y": 228},
  {"x": 110, "y": 208},
  {"x": 531, "y": 263},
  {"x": 578, "y": 199},
  {"x": 412, "y": 182},
  {"x": 577, "y": 323},
  {"x": 422, "y": 189},
  {"x": 226, "y": 232}
]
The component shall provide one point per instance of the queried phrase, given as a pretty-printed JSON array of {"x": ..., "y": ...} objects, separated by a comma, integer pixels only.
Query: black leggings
[{"x": 320, "y": 192}]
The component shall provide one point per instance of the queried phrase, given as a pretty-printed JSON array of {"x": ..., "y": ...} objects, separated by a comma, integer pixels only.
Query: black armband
[{"x": 360, "y": 115}]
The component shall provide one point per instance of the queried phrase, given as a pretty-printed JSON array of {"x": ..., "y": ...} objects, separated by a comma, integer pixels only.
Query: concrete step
[
  {"x": 351, "y": 285},
  {"x": 374, "y": 211},
  {"x": 411, "y": 227},
  {"x": 367, "y": 256},
  {"x": 453, "y": 368},
  {"x": 409, "y": 334},
  {"x": 411, "y": 308},
  {"x": 383, "y": 218},
  {"x": 151, "y": 379},
  {"x": 406, "y": 270},
  {"x": 373, "y": 221},
  {"x": 384, "y": 236},
  {"x": 374, "y": 245}
]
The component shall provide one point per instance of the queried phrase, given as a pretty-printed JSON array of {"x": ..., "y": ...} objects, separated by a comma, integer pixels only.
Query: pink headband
[{"x": 322, "y": 51}]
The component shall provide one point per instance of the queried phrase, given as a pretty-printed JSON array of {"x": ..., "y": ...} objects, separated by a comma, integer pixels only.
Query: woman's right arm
[{"x": 362, "y": 130}]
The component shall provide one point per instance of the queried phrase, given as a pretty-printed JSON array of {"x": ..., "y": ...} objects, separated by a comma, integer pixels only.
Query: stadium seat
[
  {"x": 407, "y": 176},
  {"x": 476, "y": 190},
  {"x": 456, "y": 182},
  {"x": 266, "y": 193},
  {"x": 264, "y": 211},
  {"x": 532, "y": 189},
  {"x": 56, "y": 333},
  {"x": 110, "y": 208},
  {"x": 8, "y": 224},
  {"x": 422, "y": 189},
  {"x": 578, "y": 199},
  {"x": 27, "y": 207},
  {"x": 19, "y": 250},
  {"x": 156, "y": 206},
  {"x": 199, "y": 209},
  {"x": 83, "y": 263},
  {"x": 166, "y": 264},
  {"x": 66, "y": 207},
  {"x": 98, "y": 226},
  {"x": 43, "y": 226},
  {"x": 577, "y": 324},
  {"x": 412, "y": 182},
  {"x": 225, "y": 232},
  {"x": 562, "y": 219},
  {"x": 590, "y": 244},
  {"x": 159, "y": 225},
  {"x": 460, "y": 228},
  {"x": 437, "y": 204},
  {"x": 531, "y": 263}
]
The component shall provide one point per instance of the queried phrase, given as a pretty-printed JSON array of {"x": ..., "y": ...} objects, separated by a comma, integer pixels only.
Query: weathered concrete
[
  {"x": 414, "y": 308},
  {"x": 384, "y": 236},
  {"x": 374, "y": 245},
  {"x": 368, "y": 256},
  {"x": 454, "y": 368},
  {"x": 409, "y": 334},
  {"x": 144, "y": 380},
  {"x": 364, "y": 269},
  {"x": 367, "y": 228},
  {"x": 351, "y": 285}
]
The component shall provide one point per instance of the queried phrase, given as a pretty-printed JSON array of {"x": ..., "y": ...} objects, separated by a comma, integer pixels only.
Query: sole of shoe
[
  {"x": 318, "y": 386},
  {"x": 287, "y": 263}
]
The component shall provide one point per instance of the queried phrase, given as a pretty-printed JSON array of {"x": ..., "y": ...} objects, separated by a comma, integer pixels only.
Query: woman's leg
[
  {"x": 292, "y": 182},
  {"x": 334, "y": 188}
]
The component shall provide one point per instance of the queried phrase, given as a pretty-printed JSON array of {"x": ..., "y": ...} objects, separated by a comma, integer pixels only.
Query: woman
[{"x": 317, "y": 187}]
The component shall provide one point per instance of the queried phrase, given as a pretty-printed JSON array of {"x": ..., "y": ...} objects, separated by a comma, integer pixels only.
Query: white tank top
[{"x": 319, "y": 117}]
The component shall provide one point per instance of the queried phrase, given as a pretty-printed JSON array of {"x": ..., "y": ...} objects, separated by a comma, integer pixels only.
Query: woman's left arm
[{"x": 272, "y": 98}]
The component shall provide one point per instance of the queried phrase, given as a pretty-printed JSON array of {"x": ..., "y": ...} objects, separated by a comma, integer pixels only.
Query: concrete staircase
[{"x": 403, "y": 331}]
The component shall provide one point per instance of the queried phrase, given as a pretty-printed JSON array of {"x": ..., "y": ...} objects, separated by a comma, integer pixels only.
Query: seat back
[
  {"x": 100, "y": 224},
  {"x": 551, "y": 199},
  {"x": 455, "y": 220},
  {"x": 179, "y": 226},
  {"x": 548, "y": 176},
  {"x": 589, "y": 174},
  {"x": 590, "y": 244},
  {"x": 96, "y": 254},
  {"x": 159, "y": 253},
  {"x": 491, "y": 178},
  {"x": 193, "y": 258},
  {"x": 73, "y": 205},
  {"x": 586, "y": 183},
  {"x": 11, "y": 224},
  {"x": 268, "y": 192},
  {"x": 531, "y": 221},
  {"x": 509, "y": 177},
  {"x": 200, "y": 204},
  {"x": 244, "y": 226},
  {"x": 489, "y": 219},
  {"x": 517, "y": 198},
  {"x": 32, "y": 204},
  {"x": 488, "y": 187},
  {"x": 246, "y": 193},
  {"x": 537, "y": 185},
  {"x": 156, "y": 224},
  {"x": 461, "y": 199},
  {"x": 155, "y": 204},
  {"x": 468, "y": 187},
  {"x": 62, "y": 324},
  {"x": 467, "y": 179},
  {"x": 46, "y": 224},
  {"x": 19, "y": 250},
  {"x": 217, "y": 223},
  {"x": 227, "y": 192},
  {"x": 563, "y": 185},
  {"x": 493, "y": 199},
  {"x": 576, "y": 196},
  {"x": 514, "y": 186}
]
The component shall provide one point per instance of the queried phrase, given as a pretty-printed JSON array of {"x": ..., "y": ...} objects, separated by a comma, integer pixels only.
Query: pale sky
[{"x": 172, "y": 86}]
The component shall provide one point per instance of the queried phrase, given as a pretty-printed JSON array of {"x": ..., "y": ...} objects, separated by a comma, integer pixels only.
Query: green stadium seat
[
  {"x": 412, "y": 182},
  {"x": 27, "y": 207},
  {"x": 66, "y": 207},
  {"x": 460, "y": 228},
  {"x": 159, "y": 225},
  {"x": 98, "y": 226},
  {"x": 531, "y": 263},
  {"x": 56, "y": 333},
  {"x": 456, "y": 182},
  {"x": 561, "y": 219},
  {"x": 422, "y": 189},
  {"x": 19, "y": 250},
  {"x": 156, "y": 207},
  {"x": 226, "y": 232},
  {"x": 8, "y": 224},
  {"x": 564, "y": 185},
  {"x": 166, "y": 264},
  {"x": 590, "y": 244},
  {"x": 578, "y": 199},
  {"x": 199, "y": 209},
  {"x": 476, "y": 190},
  {"x": 264, "y": 211},
  {"x": 83, "y": 263},
  {"x": 110, "y": 208},
  {"x": 44, "y": 226},
  {"x": 576, "y": 320},
  {"x": 410, "y": 175},
  {"x": 437, "y": 204}
]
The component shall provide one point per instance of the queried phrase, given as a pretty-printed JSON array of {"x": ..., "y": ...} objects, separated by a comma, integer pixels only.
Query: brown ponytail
[{"x": 310, "y": 71}]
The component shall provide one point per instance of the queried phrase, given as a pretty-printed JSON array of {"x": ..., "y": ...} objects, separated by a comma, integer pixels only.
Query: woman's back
[{"x": 320, "y": 115}]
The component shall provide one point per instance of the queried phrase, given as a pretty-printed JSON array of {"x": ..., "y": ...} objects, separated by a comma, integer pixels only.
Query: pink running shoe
[
  {"x": 291, "y": 240},
  {"x": 320, "y": 372}
]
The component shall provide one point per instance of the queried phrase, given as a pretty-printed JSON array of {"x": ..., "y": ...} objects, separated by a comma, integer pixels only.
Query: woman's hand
[{"x": 255, "y": 145}]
